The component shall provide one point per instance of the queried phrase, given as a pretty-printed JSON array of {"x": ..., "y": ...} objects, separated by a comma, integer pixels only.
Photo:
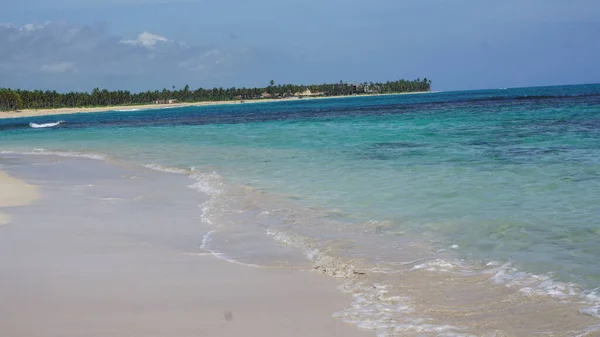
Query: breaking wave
[
  {"x": 45, "y": 125},
  {"x": 44, "y": 152}
]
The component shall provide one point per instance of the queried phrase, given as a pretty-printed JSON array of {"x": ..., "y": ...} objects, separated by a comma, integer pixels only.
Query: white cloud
[
  {"x": 31, "y": 27},
  {"x": 146, "y": 39},
  {"x": 58, "y": 67},
  {"x": 204, "y": 61},
  {"x": 61, "y": 55}
]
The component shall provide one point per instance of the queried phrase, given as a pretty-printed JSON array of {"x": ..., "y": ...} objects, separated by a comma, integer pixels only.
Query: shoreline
[
  {"x": 421, "y": 288},
  {"x": 282, "y": 179},
  {"x": 116, "y": 108},
  {"x": 125, "y": 262}
]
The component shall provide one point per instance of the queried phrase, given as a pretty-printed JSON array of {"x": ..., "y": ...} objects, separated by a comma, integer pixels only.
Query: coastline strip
[{"x": 117, "y": 108}]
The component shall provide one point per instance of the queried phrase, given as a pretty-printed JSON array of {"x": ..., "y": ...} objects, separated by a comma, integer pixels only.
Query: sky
[{"x": 153, "y": 44}]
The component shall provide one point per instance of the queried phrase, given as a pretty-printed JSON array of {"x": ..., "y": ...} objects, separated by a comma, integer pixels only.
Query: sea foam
[
  {"x": 45, "y": 125},
  {"x": 44, "y": 152}
]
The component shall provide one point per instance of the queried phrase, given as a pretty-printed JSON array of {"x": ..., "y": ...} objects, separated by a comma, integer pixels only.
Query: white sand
[
  {"x": 74, "y": 264},
  {"x": 14, "y": 192}
]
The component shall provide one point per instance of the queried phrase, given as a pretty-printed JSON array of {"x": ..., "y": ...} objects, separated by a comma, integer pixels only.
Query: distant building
[
  {"x": 166, "y": 101},
  {"x": 308, "y": 93},
  {"x": 356, "y": 88}
]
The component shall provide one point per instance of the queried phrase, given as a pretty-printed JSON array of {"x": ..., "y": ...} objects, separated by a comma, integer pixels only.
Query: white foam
[
  {"x": 209, "y": 184},
  {"x": 436, "y": 266},
  {"x": 112, "y": 199},
  {"x": 44, "y": 152},
  {"x": 45, "y": 125},
  {"x": 590, "y": 331},
  {"x": 322, "y": 260},
  {"x": 593, "y": 296},
  {"x": 545, "y": 285},
  {"x": 127, "y": 110},
  {"x": 373, "y": 309},
  {"x": 206, "y": 240},
  {"x": 527, "y": 283},
  {"x": 166, "y": 169},
  {"x": 205, "y": 247}
]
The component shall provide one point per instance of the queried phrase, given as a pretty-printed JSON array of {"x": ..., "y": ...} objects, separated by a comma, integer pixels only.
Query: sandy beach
[
  {"x": 14, "y": 192},
  {"x": 64, "y": 111},
  {"x": 110, "y": 252}
]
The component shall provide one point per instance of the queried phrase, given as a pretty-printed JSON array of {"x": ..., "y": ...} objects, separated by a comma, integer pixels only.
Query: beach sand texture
[
  {"x": 14, "y": 192},
  {"x": 112, "y": 252}
]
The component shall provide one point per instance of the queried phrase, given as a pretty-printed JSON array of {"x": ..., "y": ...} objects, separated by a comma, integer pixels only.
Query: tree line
[{"x": 37, "y": 99}]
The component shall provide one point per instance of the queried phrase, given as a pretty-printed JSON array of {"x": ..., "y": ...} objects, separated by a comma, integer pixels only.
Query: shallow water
[{"x": 496, "y": 188}]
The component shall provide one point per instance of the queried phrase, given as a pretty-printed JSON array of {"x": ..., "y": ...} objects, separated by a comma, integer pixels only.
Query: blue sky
[{"x": 151, "y": 44}]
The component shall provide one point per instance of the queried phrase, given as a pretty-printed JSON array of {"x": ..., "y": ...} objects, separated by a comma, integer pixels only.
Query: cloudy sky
[{"x": 152, "y": 44}]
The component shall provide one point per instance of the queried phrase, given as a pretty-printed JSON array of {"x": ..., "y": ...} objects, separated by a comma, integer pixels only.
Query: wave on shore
[
  {"x": 386, "y": 296},
  {"x": 45, "y": 125},
  {"x": 44, "y": 152},
  {"x": 387, "y": 302}
]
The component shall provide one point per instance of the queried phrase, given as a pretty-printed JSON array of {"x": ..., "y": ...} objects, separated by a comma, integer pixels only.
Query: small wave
[
  {"x": 373, "y": 307},
  {"x": 528, "y": 284},
  {"x": 44, "y": 152},
  {"x": 205, "y": 247},
  {"x": 45, "y": 125},
  {"x": 206, "y": 240},
  {"x": 209, "y": 184},
  {"x": 322, "y": 260},
  {"x": 113, "y": 199},
  {"x": 591, "y": 331},
  {"x": 437, "y": 265},
  {"x": 167, "y": 169},
  {"x": 127, "y": 110},
  {"x": 545, "y": 285}
]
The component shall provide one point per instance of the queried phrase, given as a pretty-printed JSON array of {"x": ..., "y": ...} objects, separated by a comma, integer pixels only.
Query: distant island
[{"x": 12, "y": 100}]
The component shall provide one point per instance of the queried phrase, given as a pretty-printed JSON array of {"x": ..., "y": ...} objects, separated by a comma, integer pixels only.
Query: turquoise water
[{"x": 499, "y": 175}]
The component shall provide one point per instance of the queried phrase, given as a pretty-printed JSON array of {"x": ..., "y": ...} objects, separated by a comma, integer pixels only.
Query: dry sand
[
  {"x": 76, "y": 264},
  {"x": 63, "y": 111},
  {"x": 14, "y": 192}
]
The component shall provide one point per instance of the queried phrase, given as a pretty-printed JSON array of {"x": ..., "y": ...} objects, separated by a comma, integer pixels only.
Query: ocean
[{"x": 448, "y": 213}]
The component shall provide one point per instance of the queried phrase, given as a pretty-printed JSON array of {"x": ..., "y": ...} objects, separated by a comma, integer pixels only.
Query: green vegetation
[
  {"x": 10, "y": 100},
  {"x": 37, "y": 99}
]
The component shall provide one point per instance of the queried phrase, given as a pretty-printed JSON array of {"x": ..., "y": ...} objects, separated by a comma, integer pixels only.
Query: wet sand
[
  {"x": 115, "y": 250},
  {"x": 110, "y": 251}
]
